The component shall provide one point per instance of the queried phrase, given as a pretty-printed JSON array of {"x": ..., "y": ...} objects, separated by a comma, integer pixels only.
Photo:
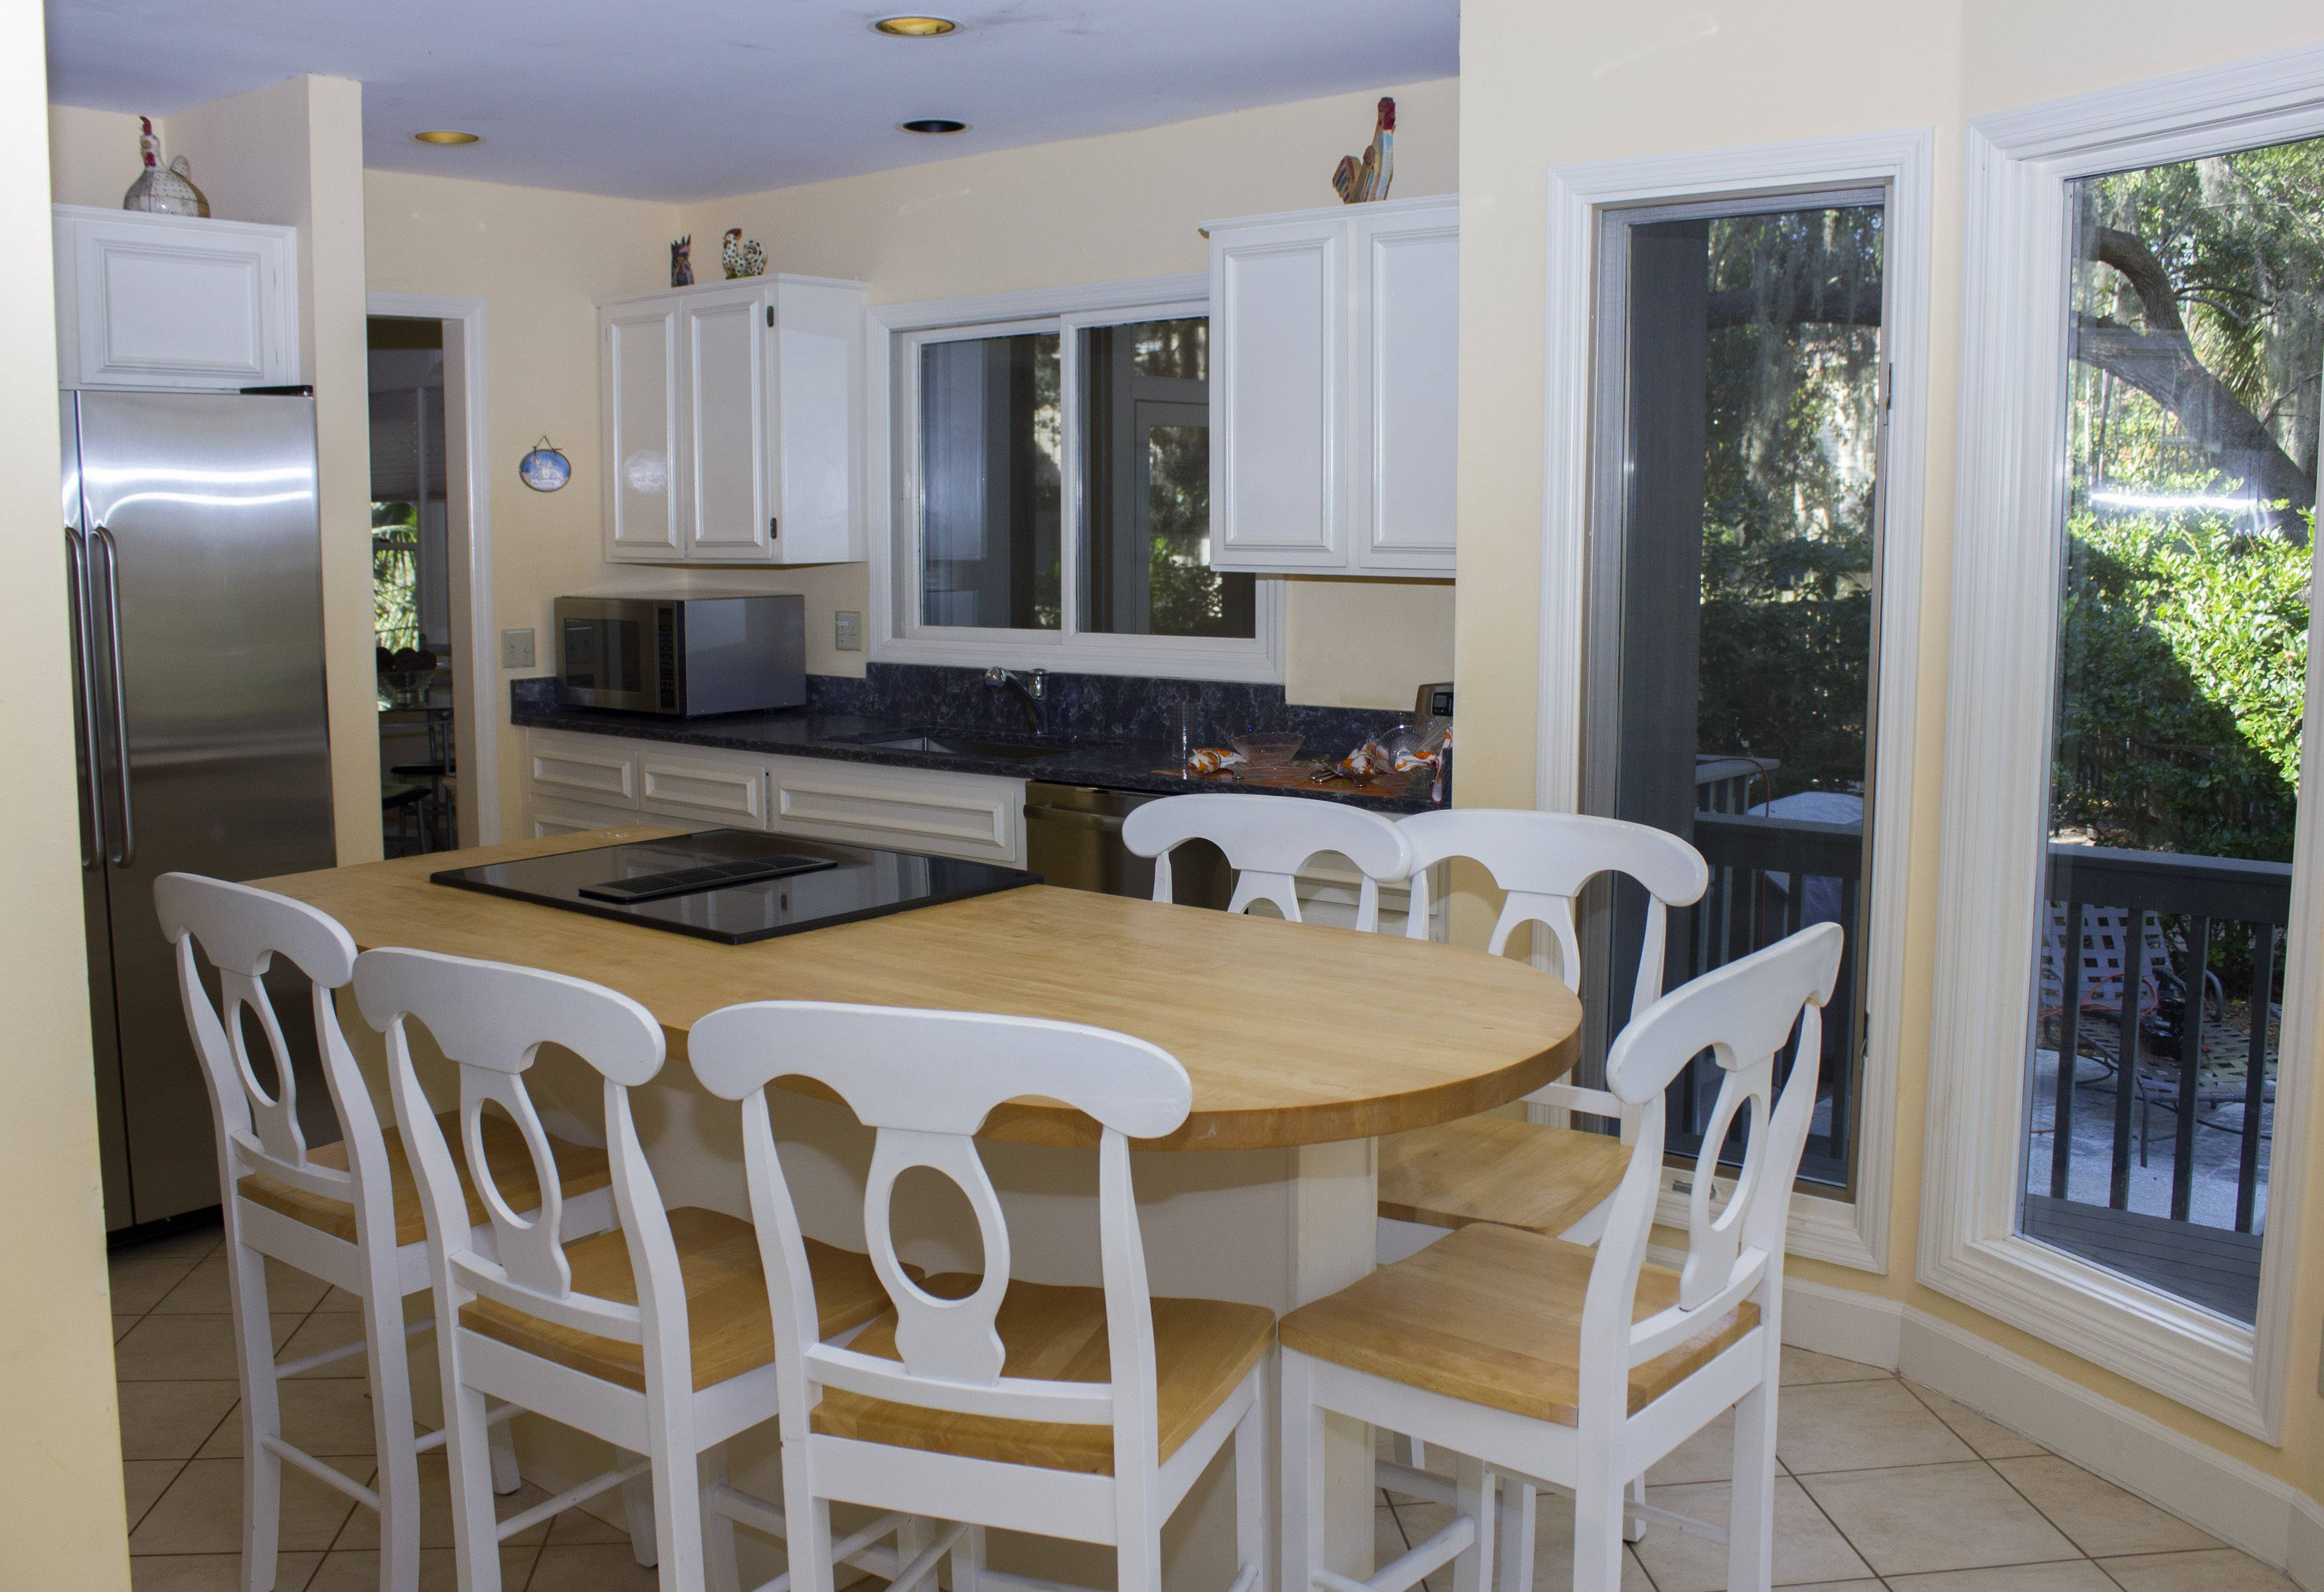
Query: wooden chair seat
[
  {"x": 1492, "y": 1315},
  {"x": 726, "y": 1311},
  {"x": 1499, "y": 1169},
  {"x": 1203, "y": 1349},
  {"x": 580, "y": 1170}
]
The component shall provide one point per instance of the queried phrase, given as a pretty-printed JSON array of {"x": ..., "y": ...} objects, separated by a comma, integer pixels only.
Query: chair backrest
[
  {"x": 925, "y": 1080},
  {"x": 1266, "y": 840},
  {"x": 1741, "y": 1013},
  {"x": 490, "y": 1019},
  {"x": 1543, "y": 860},
  {"x": 242, "y": 930}
]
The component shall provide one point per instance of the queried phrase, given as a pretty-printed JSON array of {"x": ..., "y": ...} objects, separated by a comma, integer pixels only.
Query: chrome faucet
[{"x": 1032, "y": 691}]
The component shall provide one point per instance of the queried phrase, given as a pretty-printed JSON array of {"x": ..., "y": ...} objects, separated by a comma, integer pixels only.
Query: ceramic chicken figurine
[
  {"x": 162, "y": 190},
  {"x": 681, "y": 262},
  {"x": 1361, "y": 181},
  {"x": 742, "y": 256}
]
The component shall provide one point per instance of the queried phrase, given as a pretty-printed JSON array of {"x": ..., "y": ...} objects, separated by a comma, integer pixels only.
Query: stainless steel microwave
[{"x": 685, "y": 655}]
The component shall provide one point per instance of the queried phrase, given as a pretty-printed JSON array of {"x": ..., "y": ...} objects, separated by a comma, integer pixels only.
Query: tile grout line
[{"x": 141, "y": 1319}]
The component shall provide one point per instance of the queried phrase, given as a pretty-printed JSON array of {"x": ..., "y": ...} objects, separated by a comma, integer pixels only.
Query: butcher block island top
[{"x": 1293, "y": 1034}]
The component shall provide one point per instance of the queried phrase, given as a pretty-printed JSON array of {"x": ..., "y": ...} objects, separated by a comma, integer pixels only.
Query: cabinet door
[
  {"x": 1278, "y": 352},
  {"x": 638, "y": 396},
  {"x": 815, "y": 353},
  {"x": 722, "y": 424},
  {"x": 594, "y": 769},
  {"x": 947, "y": 814},
  {"x": 717, "y": 787},
  {"x": 1407, "y": 386},
  {"x": 175, "y": 302}
]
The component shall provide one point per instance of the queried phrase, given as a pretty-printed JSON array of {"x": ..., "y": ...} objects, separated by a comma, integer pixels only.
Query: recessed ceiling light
[
  {"x": 914, "y": 27},
  {"x": 933, "y": 124},
  {"x": 446, "y": 137}
]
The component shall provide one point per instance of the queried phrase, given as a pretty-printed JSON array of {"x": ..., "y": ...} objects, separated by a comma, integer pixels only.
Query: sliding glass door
[{"x": 1735, "y": 567}]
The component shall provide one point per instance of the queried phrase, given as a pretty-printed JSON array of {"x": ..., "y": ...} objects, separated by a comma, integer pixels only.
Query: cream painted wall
[
  {"x": 1096, "y": 210},
  {"x": 291, "y": 154},
  {"x": 539, "y": 260},
  {"x": 1542, "y": 86},
  {"x": 93, "y": 155},
  {"x": 60, "y": 1498}
]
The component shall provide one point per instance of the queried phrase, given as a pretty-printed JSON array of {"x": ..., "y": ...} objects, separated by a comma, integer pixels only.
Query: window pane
[
  {"x": 990, "y": 499},
  {"x": 1736, "y": 664},
  {"x": 1147, "y": 420},
  {"x": 2197, "y": 297}
]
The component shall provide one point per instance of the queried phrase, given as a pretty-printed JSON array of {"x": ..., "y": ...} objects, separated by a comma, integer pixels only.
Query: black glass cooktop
[{"x": 735, "y": 886}]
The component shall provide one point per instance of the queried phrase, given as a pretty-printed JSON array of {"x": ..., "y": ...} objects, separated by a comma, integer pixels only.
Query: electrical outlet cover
[
  {"x": 516, "y": 649},
  {"x": 847, "y": 630}
]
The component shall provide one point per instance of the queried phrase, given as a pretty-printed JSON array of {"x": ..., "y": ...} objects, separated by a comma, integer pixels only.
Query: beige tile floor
[{"x": 1884, "y": 1481}]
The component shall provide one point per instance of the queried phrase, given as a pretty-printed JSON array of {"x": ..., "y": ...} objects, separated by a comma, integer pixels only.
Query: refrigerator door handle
[
  {"x": 92, "y": 834},
  {"x": 128, "y": 852}
]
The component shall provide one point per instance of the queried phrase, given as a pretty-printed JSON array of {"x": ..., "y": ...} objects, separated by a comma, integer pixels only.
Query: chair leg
[
  {"x": 1473, "y": 1487},
  {"x": 506, "y": 1478},
  {"x": 398, "y": 1481},
  {"x": 968, "y": 1560},
  {"x": 1634, "y": 1530},
  {"x": 806, "y": 1518},
  {"x": 1751, "y": 1513},
  {"x": 1251, "y": 1486},
  {"x": 262, "y": 1418},
  {"x": 1598, "y": 1532},
  {"x": 638, "y": 1509},
  {"x": 678, "y": 1520},
  {"x": 1520, "y": 1514},
  {"x": 476, "y": 1533},
  {"x": 722, "y": 1566},
  {"x": 1302, "y": 1465}
]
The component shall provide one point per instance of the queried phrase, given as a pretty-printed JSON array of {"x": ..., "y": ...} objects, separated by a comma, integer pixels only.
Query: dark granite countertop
[{"x": 808, "y": 732}]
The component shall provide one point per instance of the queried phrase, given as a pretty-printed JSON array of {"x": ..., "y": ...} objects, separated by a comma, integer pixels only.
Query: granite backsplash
[{"x": 1105, "y": 707}]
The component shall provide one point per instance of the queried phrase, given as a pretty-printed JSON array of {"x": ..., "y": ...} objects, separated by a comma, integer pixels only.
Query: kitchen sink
[{"x": 959, "y": 746}]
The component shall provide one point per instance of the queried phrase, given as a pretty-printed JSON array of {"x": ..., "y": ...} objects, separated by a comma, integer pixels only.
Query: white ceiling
[{"x": 686, "y": 99}]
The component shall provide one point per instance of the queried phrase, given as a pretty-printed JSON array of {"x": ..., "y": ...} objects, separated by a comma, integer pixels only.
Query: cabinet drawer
[
  {"x": 1330, "y": 892},
  {"x": 906, "y": 809},
  {"x": 731, "y": 791},
  {"x": 550, "y": 815},
  {"x": 591, "y": 768}
]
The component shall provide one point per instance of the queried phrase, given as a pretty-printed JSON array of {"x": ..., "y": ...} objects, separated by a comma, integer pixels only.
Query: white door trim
[
  {"x": 477, "y": 741},
  {"x": 2005, "y": 587},
  {"x": 1853, "y": 1234}
]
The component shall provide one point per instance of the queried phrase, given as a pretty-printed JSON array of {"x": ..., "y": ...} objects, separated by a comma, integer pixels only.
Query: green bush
[{"x": 2183, "y": 662}]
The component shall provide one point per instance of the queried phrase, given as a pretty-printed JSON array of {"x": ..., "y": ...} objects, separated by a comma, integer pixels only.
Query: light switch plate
[
  {"x": 847, "y": 630},
  {"x": 516, "y": 649}
]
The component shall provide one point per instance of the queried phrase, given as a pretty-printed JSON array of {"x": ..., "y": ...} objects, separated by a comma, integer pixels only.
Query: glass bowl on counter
[{"x": 1267, "y": 752}]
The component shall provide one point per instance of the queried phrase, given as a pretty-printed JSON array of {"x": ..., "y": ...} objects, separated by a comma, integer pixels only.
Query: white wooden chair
[
  {"x": 1530, "y": 1358},
  {"x": 986, "y": 1403},
  {"x": 1547, "y": 1179},
  {"x": 653, "y": 1337},
  {"x": 1266, "y": 839},
  {"x": 346, "y": 1213}
]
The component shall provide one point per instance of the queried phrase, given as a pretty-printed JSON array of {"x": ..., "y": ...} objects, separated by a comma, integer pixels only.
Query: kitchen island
[{"x": 1303, "y": 1043}]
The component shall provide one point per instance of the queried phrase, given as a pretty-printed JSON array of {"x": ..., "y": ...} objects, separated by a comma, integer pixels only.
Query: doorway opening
[{"x": 414, "y": 570}]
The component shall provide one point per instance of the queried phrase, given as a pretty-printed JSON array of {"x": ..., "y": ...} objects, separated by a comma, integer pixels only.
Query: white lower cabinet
[
  {"x": 971, "y": 816},
  {"x": 578, "y": 782}
]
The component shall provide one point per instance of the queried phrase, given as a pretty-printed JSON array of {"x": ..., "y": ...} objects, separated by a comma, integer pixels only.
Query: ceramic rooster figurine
[
  {"x": 681, "y": 262},
  {"x": 1360, "y": 181},
  {"x": 742, "y": 256}
]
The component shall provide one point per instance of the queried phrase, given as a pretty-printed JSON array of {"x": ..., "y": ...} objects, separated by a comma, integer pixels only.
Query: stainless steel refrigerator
[{"x": 195, "y": 562}]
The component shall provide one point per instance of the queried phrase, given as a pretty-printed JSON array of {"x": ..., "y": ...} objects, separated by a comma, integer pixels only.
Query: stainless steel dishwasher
[{"x": 1073, "y": 837}]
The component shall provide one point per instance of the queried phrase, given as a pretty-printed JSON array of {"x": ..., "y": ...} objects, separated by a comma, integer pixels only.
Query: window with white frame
[
  {"x": 1052, "y": 500},
  {"x": 2129, "y": 957}
]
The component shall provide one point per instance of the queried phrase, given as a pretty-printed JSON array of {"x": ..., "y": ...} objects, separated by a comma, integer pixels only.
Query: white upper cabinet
[
  {"x": 730, "y": 422},
  {"x": 1335, "y": 353},
  {"x": 174, "y": 301},
  {"x": 637, "y": 346}
]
